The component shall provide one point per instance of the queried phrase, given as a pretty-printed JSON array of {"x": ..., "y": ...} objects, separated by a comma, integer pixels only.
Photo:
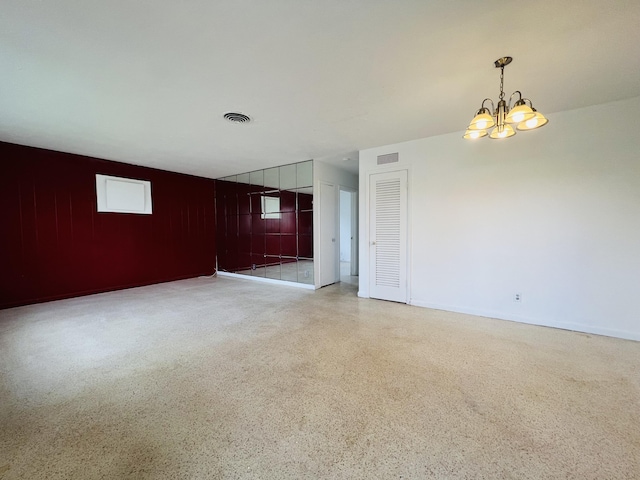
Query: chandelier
[{"x": 501, "y": 119}]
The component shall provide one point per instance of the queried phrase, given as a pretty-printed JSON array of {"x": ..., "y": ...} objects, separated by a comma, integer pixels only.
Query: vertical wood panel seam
[
  {"x": 55, "y": 210},
  {"x": 21, "y": 220},
  {"x": 35, "y": 212}
]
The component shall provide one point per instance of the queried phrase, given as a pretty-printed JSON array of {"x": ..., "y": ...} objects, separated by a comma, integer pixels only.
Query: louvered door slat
[{"x": 388, "y": 233}]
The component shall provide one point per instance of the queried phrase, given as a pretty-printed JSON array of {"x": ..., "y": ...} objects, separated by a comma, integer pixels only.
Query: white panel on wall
[{"x": 123, "y": 195}]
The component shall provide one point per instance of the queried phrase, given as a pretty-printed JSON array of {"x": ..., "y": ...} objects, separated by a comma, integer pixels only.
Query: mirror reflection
[{"x": 264, "y": 223}]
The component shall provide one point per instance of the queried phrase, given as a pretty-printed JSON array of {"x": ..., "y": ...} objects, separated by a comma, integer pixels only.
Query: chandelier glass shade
[
  {"x": 473, "y": 134},
  {"x": 501, "y": 118},
  {"x": 537, "y": 121},
  {"x": 482, "y": 121}
]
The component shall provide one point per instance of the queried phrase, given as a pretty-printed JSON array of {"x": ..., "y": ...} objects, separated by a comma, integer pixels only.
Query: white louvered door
[{"x": 388, "y": 236}]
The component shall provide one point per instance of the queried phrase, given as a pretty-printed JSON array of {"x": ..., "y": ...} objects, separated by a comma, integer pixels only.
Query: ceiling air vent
[
  {"x": 388, "y": 158},
  {"x": 236, "y": 117}
]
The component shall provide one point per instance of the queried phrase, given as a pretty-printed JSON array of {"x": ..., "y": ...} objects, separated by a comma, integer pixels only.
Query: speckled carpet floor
[{"x": 225, "y": 378}]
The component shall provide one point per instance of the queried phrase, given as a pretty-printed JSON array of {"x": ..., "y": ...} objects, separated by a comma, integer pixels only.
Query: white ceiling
[{"x": 147, "y": 82}]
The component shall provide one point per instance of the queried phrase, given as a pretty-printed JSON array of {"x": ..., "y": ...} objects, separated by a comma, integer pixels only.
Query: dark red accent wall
[{"x": 54, "y": 244}]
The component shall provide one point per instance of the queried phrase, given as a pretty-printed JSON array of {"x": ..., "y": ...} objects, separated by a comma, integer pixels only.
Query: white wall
[
  {"x": 325, "y": 172},
  {"x": 552, "y": 214},
  {"x": 345, "y": 226}
]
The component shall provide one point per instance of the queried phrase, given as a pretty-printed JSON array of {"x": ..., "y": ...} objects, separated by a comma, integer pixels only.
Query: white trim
[
  {"x": 273, "y": 281},
  {"x": 576, "y": 327}
]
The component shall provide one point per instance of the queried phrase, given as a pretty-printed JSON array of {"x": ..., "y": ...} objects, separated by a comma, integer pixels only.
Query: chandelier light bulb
[
  {"x": 506, "y": 132},
  {"x": 537, "y": 121},
  {"x": 473, "y": 134},
  {"x": 482, "y": 120},
  {"x": 519, "y": 113}
]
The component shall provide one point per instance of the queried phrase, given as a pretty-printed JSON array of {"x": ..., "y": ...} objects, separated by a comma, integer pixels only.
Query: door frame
[{"x": 355, "y": 241}]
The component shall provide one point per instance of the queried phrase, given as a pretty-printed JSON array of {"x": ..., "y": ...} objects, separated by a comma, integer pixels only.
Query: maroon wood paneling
[
  {"x": 288, "y": 223},
  {"x": 273, "y": 245},
  {"x": 55, "y": 245},
  {"x": 287, "y": 201},
  {"x": 289, "y": 245},
  {"x": 305, "y": 246}
]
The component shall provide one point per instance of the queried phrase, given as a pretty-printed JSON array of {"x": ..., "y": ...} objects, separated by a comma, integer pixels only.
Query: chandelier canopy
[{"x": 521, "y": 114}]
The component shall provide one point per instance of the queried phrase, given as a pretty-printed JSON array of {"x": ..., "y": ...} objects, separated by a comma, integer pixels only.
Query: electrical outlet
[
  {"x": 517, "y": 297},
  {"x": 306, "y": 274}
]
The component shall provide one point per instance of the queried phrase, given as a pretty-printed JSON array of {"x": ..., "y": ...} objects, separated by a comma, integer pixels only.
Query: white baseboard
[
  {"x": 578, "y": 327},
  {"x": 267, "y": 280}
]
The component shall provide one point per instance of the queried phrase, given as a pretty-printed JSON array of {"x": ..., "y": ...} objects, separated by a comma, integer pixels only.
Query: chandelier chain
[{"x": 502, "y": 83}]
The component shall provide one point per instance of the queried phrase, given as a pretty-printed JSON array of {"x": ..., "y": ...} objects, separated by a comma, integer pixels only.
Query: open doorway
[{"x": 348, "y": 236}]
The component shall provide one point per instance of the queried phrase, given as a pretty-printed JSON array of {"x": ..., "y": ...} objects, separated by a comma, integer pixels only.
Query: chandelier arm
[
  {"x": 493, "y": 107},
  {"x": 511, "y": 97}
]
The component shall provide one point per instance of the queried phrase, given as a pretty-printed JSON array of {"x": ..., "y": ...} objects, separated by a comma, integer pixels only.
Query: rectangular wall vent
[{"x": 388, "y": 158}]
